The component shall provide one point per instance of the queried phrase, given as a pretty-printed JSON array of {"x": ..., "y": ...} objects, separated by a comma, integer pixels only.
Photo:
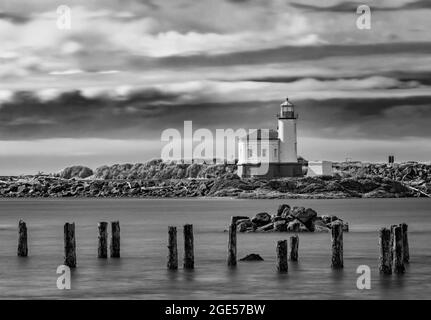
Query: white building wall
[
  {"x": 320, "y": 168},
  {"x": 287, "y": 136},
  {"x": 272, "y": 151}
]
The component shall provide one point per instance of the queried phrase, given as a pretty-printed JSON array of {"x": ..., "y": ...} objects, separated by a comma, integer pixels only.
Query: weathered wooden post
[
  {"x": 406, "y": 250},
  {"x": 69, "y": 245},
  {"x": 22, "y": 239},
  {"x": 294, "y": 244},
  {"x": 392, "y": 241},
  {"x": 385, "y": 262},
  {"x": 337, "y": 246},
  {"x": 172, "y": 246},
  {"x": 102, "y": 249},
  {"x": 231, "y": 257},
  {"x": 398, "y": 250},
  {"x": 115, "y": 239},
  {"x": 189, "y": 257},
  {"x": 282, "y": 256}
]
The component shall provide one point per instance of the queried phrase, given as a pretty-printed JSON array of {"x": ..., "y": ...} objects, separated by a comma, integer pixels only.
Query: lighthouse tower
[
  {"x": 276, "y": 157},
  {"x": 287, "y": 133}
]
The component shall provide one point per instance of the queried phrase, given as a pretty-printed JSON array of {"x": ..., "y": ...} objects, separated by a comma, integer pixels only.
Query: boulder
[
  {"x": 261, "y": 219},
  {"x": 280, "y": 226},
  {"x": 320, "y": 225},
  {"x": 281, "y": 209},
  {"x": 245, "y": 225},
  {"x": 238, "y": 219},
  {"x": 252, "y": 257},
  {"x": 286, "y": 213},
  {"x": 294, "y": 226},
  {"x": 267, "y": 227},
  {"x": 306, "y": 216}
]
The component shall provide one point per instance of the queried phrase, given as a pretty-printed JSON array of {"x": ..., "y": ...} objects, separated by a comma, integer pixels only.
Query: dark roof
[{"x": 272, "y": 135}]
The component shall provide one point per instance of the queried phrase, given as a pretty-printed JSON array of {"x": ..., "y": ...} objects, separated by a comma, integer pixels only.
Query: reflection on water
[{"x": 141, "y": 271}]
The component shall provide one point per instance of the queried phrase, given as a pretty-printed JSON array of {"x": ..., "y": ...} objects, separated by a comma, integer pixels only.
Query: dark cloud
[
  {"x": 146, "y": 114},
  {"x": 287, "y": 54},
  {"x": 405, "y": 77},
  {"x": 383, "y": 118},
  {"x": 14, "y": 18},
  {"x": 351, "y": 7}
]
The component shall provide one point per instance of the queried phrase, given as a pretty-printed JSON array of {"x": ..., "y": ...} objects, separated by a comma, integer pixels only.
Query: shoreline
[{"x": 232, "y": 187}]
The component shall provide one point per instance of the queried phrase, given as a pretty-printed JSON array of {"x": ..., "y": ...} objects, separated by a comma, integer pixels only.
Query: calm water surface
[{"x": 141, "y": 272}]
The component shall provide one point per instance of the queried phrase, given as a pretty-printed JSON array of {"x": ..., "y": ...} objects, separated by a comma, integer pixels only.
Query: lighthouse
[
  {"x": 287, "y": 132},
  {"x": 278, "y": 155}
]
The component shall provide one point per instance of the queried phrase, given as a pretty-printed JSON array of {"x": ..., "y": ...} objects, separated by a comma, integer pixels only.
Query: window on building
[
  {"x": 249, "y": 153},
  {"x": 275, "y": 153}
]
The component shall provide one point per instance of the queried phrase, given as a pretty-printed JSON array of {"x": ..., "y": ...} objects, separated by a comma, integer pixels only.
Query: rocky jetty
[
  {"x": 413, "y": 175},
  {"x": 289, "y": 219},
  {"x": 157, "y": 179}
]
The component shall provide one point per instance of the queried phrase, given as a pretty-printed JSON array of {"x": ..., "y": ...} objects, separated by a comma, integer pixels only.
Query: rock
[
  {"x": 261, "y": 219},
  {"x": 275, "y": 218},
  {"x": 267, "y": 227},
  {"x": 286, "y": 213},
  {"x": 22, "y": 189},
  {"x": 245, "y": 225},
  {"x": 281, "y": 209},
  {"x": 294, "y": 226},
  {"x": 252, "y": 257},
  {"x": 320, "y": 225},
  {"x": 319, "y": 228},
  {"x": 280, "y": 226},
  {"x": 306, "y": 216},
  {"x": 238, "y": 219},
  {"x": 328, "y": 219}
]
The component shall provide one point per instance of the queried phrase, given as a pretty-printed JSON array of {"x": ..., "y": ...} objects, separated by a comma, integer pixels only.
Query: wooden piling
[
  {"x": 294, "y": 244},
  {"x": 173, "y": 250},
  {"x": 398, "y": 250},
  {"x": 189, "y": 258},
  {"x": 385, "y": 262},
  {"x": 406, "y": 250},
  {"x": 231, "y": 258},
  {"x": 115, "y": 239},
  {"x": 69, "y": 245},
  {"x": 22, "y": 239},
  {"x": 337, "y": 246},
  {"x": 102, "y": 249},
  {"x": 282, "y": 256},
  {"x": 392, "y": 241}
]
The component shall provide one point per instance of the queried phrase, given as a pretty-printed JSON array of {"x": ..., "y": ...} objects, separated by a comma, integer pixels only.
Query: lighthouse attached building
[{"x": 277, "y": 148}]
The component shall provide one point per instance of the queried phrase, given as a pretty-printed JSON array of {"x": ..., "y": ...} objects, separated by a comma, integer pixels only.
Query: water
[{"x": 141, "y": 272}]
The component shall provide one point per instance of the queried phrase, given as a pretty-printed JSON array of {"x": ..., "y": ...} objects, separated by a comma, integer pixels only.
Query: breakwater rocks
[
  {"x": 228, "y": 186},
  {"x": 159, "y": 179},
  {"x": 415, "y": 176},
  {"x": 287, "y": 219}
]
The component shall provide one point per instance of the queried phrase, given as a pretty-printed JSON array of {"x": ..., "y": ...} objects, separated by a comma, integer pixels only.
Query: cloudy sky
[{"x": 103, "y": 91}]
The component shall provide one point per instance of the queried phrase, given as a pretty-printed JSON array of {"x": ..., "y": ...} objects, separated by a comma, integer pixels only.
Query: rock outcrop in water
[
  {"x": 287, "y": 219},
  {"x": 158, "y": 179}
]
